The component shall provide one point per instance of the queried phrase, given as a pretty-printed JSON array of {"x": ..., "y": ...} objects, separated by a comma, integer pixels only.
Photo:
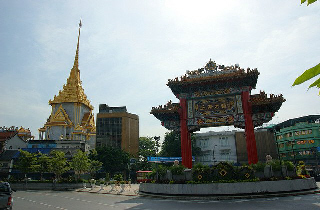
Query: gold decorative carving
[{"x": 60, "y": 118}]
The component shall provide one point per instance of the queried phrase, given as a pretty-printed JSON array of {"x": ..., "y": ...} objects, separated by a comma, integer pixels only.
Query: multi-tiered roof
[{"x": 213, "y": 81}]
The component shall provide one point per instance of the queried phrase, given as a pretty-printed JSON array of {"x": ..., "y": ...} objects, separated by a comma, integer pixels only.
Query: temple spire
[
  {"x": 76, "y": 59},
  {"x": 73, "y": 91}
]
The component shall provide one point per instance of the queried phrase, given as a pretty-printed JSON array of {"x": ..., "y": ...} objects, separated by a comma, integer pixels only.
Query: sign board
[
  {"x": 213, "y": 111},
  {"x": 166, "y": 159}
]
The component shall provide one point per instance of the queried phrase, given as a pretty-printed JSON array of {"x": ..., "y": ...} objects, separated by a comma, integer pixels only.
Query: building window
[
  {"x": 224, "y": 142},
  {"x": 225, "y": 154}
]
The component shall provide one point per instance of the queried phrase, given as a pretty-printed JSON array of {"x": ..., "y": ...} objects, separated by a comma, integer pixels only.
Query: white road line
[{"x": 317, "y": 204}]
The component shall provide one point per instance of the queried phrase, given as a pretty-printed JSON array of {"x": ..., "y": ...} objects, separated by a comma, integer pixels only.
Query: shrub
[
  {"x": 226, "y": 171},
  {"x": 118, "y": 177},
  {"x": 290, "y": 165},
  {"x": 201, "y": 173},
  {"x": 276, "y": 165},
  {"x": 160, "y": 170},
  {"x": 259, "y": 167},
  {"x": 177, "y": 169}
]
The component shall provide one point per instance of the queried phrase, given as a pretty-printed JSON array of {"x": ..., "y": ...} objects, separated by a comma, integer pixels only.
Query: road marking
[
  {"x": 317, "y": 204},
  {"x": 297, "y": 198},
  {"x": 272, "y": 199}
]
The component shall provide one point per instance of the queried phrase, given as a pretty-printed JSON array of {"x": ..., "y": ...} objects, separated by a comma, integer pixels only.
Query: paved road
[{"x": 70, "y": 200}]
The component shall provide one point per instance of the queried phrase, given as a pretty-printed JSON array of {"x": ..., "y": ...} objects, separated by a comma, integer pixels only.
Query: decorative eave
[
  {"x": 170, "y": 111},
  {"x": 262, "y": 103},
  {"x": 59, "y": 118},
  {"x": 88, "y": 121},
  {"x": 214, "y": 77}
]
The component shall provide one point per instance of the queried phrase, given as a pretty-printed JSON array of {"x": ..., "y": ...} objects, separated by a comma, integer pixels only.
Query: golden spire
[{"x": 73, "y": 91}]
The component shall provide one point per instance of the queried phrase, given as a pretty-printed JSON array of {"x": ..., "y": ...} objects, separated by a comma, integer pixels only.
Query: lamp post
[{"x": 213, "y": 151}]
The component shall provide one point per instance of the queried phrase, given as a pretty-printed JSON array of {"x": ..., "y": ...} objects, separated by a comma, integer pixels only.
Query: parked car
[{"x": 6, "y": 200}]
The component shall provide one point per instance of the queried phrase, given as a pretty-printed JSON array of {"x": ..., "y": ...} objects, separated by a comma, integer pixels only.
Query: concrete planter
[
  {"x": 178, "y": 177},
  {"x": 239, "y": 188},
  {"x": 259, "y": 174}
]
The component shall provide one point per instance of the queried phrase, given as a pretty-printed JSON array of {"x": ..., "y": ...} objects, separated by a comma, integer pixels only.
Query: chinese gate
[{"x": 217, "y": 95}]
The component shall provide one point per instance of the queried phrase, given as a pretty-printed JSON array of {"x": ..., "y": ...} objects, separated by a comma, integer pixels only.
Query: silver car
[{"x": 6, "y": 200}]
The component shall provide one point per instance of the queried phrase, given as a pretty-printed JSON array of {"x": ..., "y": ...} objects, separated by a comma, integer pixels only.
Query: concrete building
[
  {"x": 231, "y": 146},
  {"x": 216, "y": 147},
  {"x": 72, "y": 116},
  {"x": 118, "y": 128},
  {"x": 14, "y": 138},
  {"x": 298, "y": 139},
  {"x": 265, "y": 143}
]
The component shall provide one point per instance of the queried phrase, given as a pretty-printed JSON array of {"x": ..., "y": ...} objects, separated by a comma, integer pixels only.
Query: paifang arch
[{"x": 217, "y": 95}]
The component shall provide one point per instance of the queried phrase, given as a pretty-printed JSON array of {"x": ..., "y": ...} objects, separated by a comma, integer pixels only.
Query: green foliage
[
  {"x": 94, "y": 166},
  {"x": 301, "y": 169},
  {"x": 312, "y": 72},
  {"x": 118, "y": 177},
  {"x": 171, "y": 146},
  {"x": 244, "y": 173},
  {"x": 259, "y": 166},
  {"x": 290, "y": 165},
  {"x": 225, "y": 171},
  {"x": 160, "y": 170},
  {"x": 201, "y": 173},
  {"x": 147, "y": 147},
  {"x": 309, "y": 1},
  {"x": 308, "y": 74},
  {"x": 80, "y": 163},
  {"x": 27, "y": 162},
  {"x": 276, "y": 165},
  {"x": 58, "y": 163},
  {"x": 177, "y": 169},
  {"x": 113, "y": 159}
]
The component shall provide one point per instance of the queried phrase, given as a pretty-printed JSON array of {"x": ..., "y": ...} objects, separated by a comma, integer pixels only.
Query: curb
[{"x": 229, "y": 197}]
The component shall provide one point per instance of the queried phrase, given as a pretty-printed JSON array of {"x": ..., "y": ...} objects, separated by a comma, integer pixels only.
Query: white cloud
[{"x": 129, "y": 49}]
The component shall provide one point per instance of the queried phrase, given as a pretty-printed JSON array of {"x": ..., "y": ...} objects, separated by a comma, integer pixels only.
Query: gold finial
[{"x": 76, "y": 59}]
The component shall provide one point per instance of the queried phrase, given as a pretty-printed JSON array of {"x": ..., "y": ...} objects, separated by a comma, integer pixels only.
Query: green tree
[
  {"x": 43, "y": 162},
  {"x": 171, "y": 146},
  {"x": 113, "y": 159},
  {"x": 27, "y": 162},
  {"x": 147, "y": 148},
  {"x": 312, "y": 72},
  {"x": 58, "y": 163},
  {"x": 80, "y": 163},
  {"x": 94, "y": 166}
]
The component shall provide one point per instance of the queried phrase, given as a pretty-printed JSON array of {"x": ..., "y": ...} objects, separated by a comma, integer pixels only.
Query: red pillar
[
  {"x": 185, "y": 135},
  {"x": 249, "y": 129}
]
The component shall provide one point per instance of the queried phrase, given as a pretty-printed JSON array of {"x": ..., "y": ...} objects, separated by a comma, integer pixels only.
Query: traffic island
[{"x": 248, "y": 189}]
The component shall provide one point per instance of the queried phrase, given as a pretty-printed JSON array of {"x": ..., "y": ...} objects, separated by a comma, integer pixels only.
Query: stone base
[{"x": 239, "y": 188}]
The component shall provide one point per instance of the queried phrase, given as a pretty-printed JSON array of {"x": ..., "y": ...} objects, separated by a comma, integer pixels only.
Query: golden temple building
[{"x": 72, "y": 115}]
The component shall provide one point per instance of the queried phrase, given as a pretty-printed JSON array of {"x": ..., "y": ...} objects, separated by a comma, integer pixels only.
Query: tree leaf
[
  {"x": 311, "y": 1},
  {"x": 308, "y": 74},
  {"x": 316, "y": 83},
  {"x": 302, "y": 1}
]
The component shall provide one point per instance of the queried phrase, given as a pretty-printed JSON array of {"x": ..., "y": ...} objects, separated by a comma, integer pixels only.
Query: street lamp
[{"x": 213, "y": 151}]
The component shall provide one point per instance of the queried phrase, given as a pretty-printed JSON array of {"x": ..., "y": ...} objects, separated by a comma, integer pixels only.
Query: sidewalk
[{"x": 122, "y": 189}]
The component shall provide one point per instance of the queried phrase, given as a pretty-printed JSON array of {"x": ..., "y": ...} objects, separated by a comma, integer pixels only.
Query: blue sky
[{"x": 129, "y": 49}]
